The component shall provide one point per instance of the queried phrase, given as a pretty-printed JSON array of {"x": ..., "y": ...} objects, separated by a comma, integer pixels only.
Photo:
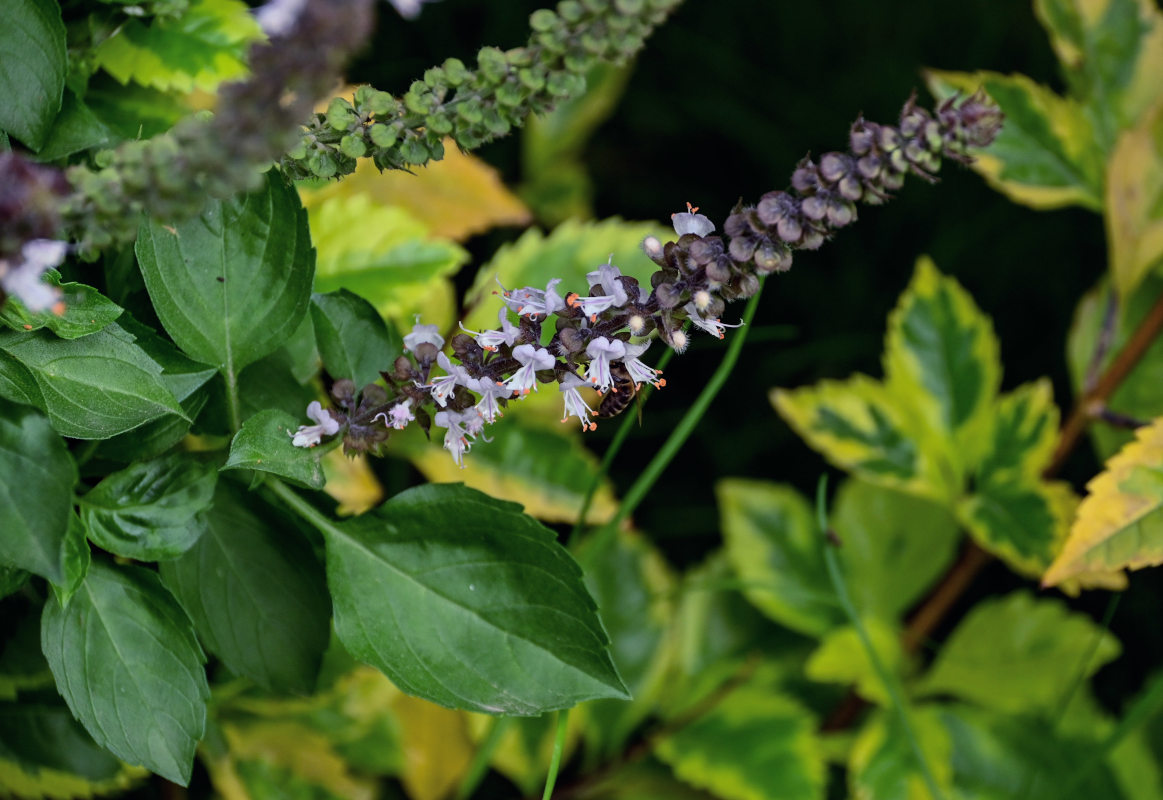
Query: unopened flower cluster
[{"x": 599, "y": 339}]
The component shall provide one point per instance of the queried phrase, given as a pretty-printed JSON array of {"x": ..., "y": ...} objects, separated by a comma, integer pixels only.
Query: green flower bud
[
  {"x": 322, "y": 165},
  {"x": 455, "y": 72},
  {"x": 470, "y": 112},
  {"x": 353, "y": 146},
  {"x": 533, "y": 79},
  {"x": 382, "y": 103},
  {"x": 542, "y": 20},
  {"x": 493, "y": 64},
  {"x": 383, "y": 135},
  {"x": 629, "y": 7},
  {"x": 340, "y": 114},
  {"x": 510, "y": 94},
  {"x": 434, "y": 77},
  {"x": 414, "y": 151},
  {"x": 440, "y": 123},
  {"x": 571, "y": 10},
  {"x": 495, "y": 123}
]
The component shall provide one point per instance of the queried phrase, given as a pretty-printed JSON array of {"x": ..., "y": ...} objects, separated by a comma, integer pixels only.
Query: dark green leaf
[
  {"x": 41, "y": 733},
  {"x": 11, "y": 579},
  {"x": 233, "y": 284},
  {"x": 36, "y": 489},
  {"x": 132, "y": 111},
  {"x": 75, "y": 559},
  {"x": 33, "y": 64},
  {"x": 270, "y": 383},
  {"x": 96, "y": 386},
  {"x": 465, "y": 601},
  {"x": 302, "y": 352},
  {"x": 22, "y": 665},
  {"x": 264, "y": 444},
  {"x": 86, "y": 311},
  {"x": 151, "y": 510},
  {"x": 126, "y": 661},
  {"x": 256, "y": 593},
  {"x": 352, "y": 337},
  {"x": 17, "y": 383},
  {"x": 76, "y": 128}
]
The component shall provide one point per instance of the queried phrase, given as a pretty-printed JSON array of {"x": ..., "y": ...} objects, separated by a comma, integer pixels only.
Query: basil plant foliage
[{"x": 285, "y": 493}]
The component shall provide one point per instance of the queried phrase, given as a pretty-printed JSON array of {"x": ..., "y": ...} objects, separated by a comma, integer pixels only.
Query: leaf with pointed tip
[
  {"x": 126, "y": 661},
  {"x": 86, "y": 311},
  {"x": 842, "y": 658},
  {"x": 231, "y": 285},
  {"x": 36, "y": 496},
  {"x": 75, "y": 558},
  {"x": 151, "y": 510},
  {"x": 352, "y": 337},
  {"x": 1024, "y": 524},
  {"x": 256, "y": 593},
  {"x": 75, "y": 128},
  {"x": 1134, "y": 197},
  {"x": 467, "y": 602},
  {"x": 33, "y": 66},
  {"x": 264, "y": 444}
]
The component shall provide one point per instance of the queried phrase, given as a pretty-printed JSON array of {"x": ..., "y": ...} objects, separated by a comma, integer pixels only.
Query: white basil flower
[{"x": 311, "y": 435}]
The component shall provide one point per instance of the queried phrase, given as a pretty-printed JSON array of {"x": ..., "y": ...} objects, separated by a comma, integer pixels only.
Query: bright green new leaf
[
  {"x": 383, "y": 254},
  {"x": 264, "y": 444},
  {"x": 1024, "y": 433},
  {"x": 571, "y": 251},
  {"x": 256, "y": 593},
  {"x": 842, "y": 658},
  {"x": 755, "y": 744},
  {"x": 1119, "y": 524},
  {"x": 882, "y": 763},
  {"x": 36, "y": 495},
  {"x": 33, "y": 65},
  {"x": 633, "y": 587},
  {"x": 1134, "y": 201},
  {"x": 772, "y": 541},
  {"x": 1112, "y": 54},
  {"x": 546, "y": 469},
  {"x": 126, "y": 661},
  {"x": 233, "y": 284},
  {"x": 151, "y": 510},
  {"x": 941, "y": 359},
  {"x": 465, "y": 601},
  {"x": 893, "y": 546},
  {"x": 85, "y": 311},
  {"x": 1024, "y": 524},
  {"x": 96, "y": 386},
  {"x": 861, "y": 426},
  {"x": 1046, "y": 154},
  {"x": 76, "y": 128},
  {"x": 352, "y": 338},
  {"x": 199, "y": 49},
  {"x": 1019, "y": 654}
]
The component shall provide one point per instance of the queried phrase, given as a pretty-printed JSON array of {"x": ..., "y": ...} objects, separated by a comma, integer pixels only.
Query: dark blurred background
[{"x": 724, "y": 100}]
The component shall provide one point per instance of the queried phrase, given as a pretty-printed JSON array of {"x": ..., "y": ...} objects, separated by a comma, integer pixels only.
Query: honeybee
[{"x": 621, "y": 394}]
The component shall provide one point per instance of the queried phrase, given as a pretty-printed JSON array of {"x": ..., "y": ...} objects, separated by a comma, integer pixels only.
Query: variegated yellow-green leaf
[
  {"x": 1045, "y": 155},
  {"x": 842, "y": 658},
  {"x": 941, "y": 358},
  {"x": 860, "y": 426},
  {"x": 1021, "y": 523},
  {"x": 1112, "y": 53},
  {"x": 1134, "y": 202},
  {"x": 1119, "y": 524},
  {"x": 882, "y": 763},
  {"x": 1025, "y": 431}
]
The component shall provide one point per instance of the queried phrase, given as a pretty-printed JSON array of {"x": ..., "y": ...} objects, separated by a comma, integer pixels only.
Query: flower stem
[
  {"x": 683, "y": 430},
  {"x": 233, "y": 404},
  {"x": 498, "y": 726},
  {"x": 558, "y": 749}
]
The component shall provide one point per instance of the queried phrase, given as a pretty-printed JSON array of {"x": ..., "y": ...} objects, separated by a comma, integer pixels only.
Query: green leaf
[
  {"x": 1134, "y": 201},
  {"x": 1047, "y": 154},
  {"x": 41, "y": 734},
  {"x": 75, "y": 560},
  {"x": 96, "y": 386},
  {"x": 151, "y": 510},
  {"x": 772, "y": 542},
  {"x": 894, "y": 546},
  {"x": 231, "y": 285},
  {"x": 85, "y": 311},
  {"x": 264, "y": 444},
  {"x": 23, "y": 668},
  {"x": 1025, "y": 432},
  {"x": 465, "y": 601},
  {"x": 862, "y": 427},
  {"x": 633, "y": 587},
  {"x": 569, "y": 252},
  {"x": 126, "y": 661},
  {"x": 1019, "y": 654},
  {"x": 132, "y": 111},
  {"x": 352, "y": 337},
  {"x": 76, "y": 128},
  {"x": 34, "y": 508},
  {"x": 842, "y": 658},
  {"x": 882, "y": 763},
  {"x": 1111, "y": 52},
  {"x": 11, "y": 581},
  {"x": 941, "y": 359},
  {"x": 1118, "y": 522},
  {"x": 1021, "y": 523},
  {"x": 754, "y": 745},
  {"x": 256, "y": 593},
  {"x": 17, "y": 383},
  {"x": 198, "y": 49},
  {"x": 33, "y": 64}
]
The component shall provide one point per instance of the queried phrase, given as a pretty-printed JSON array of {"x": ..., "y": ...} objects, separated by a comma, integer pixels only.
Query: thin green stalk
[
  {"x": 233, "y": 404},
  {"x": 886, "y": 677},
  {"x": 480, "y": 759},
  {"x": 683, "y": 429},
  {"x": 298, "y": 504},
  {"x": 558, "y": 749}
]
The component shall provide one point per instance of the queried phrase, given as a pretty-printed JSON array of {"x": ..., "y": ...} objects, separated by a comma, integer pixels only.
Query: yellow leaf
[
  {"x": 437, "y": 747},
  {"x": 454, "y": 198},
  {"x": 1134, "y": 202},
  {"x": 18, "y": 782},
  {"x": 1119, "y": 524},
  {"x": 350, "y": 482}
]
